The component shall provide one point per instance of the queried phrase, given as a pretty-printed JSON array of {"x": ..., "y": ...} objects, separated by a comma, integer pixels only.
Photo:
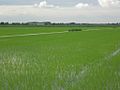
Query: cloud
[
  {"x": 81, "y": 5},
  {"x": 109, "y": 3},
  {"x": 69, "y": 14},
  {"x": 35, "y": 5},
  {"x": 44, "y": 4}
]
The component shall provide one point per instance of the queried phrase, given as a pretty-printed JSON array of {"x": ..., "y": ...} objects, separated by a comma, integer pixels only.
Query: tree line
[{"x": 49, "y": 23}]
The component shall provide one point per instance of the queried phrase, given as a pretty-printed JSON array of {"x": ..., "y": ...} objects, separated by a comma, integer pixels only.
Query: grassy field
[{"x": 85, "y": 60}]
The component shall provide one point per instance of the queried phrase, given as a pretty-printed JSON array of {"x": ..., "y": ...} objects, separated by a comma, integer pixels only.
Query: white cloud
[
  {"x": 81, "y": 5},
  {"x": 44, "y": 4},
  {"x": 35, "y": 5},
  {"x": 69, "y": 14},
  {"x": 109, "y": 3}
]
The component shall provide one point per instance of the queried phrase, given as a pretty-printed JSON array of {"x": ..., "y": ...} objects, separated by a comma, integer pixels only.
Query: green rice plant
[{"x": 86, "y": 60}]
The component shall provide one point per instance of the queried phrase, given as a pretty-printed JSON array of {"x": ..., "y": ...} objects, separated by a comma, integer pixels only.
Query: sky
[
  {"x": 55, "y": 2},
  {"x": 84, "y": 11}
]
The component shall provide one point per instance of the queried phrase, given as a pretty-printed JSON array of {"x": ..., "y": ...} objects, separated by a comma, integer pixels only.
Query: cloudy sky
[{"x": 92, "y": 11}]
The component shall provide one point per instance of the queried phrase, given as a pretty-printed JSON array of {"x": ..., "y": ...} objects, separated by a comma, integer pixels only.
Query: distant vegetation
[
  {"x": 54, "y": 24},
  {"x": 74, "y": 30}
]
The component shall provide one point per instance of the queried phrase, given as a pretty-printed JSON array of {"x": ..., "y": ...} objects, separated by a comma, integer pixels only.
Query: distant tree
[
  {"x": 16, "y": 23},
  {"x": 2, "y": 23},
  {"x": 47, "y": 23},
  {"x": 72, "y": 23}
]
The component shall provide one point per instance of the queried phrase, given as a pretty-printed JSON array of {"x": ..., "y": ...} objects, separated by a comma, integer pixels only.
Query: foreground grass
[{"x": 69, "y": 61}]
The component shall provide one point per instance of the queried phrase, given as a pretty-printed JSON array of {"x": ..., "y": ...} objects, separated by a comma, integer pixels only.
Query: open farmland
[{"x": 85, "y": 60}]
